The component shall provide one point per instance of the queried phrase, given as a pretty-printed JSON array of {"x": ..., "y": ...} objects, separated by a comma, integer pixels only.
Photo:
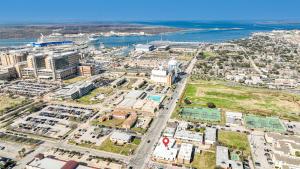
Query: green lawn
[
  {"x": 88, "y": 99},
  {"x": 235, "y": 140},
  {"x": 109, "y": 123},
  {"x": 205, "y": 160},
  {"x": 139, "y": 130},
  {"x": 7, "y": 102},
  {"x": 74, "y": 80},
  {"x": 126, "y": 149},
  {"x": 243, "y": 99}
]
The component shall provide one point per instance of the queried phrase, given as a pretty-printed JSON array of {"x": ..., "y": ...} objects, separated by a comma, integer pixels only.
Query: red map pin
[{"x": 166, "y": 141}]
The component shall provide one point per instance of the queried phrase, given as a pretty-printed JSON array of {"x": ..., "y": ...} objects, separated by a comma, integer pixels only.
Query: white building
[
  {"x": 163, "y": 153},
  {"x": 53, "y": 163},
  {"x": 284, "y": 148},
  {"x": 222, "y": 159},
  {"x": 210, "y": 135},
  {"x": 120, "y": 138},
  {"x": 188, "y": 136},
  {"x": 185, "y": 153},
  {"x": 234, "y": 118},
  {"x": 161, "y": 76},
  {"x": 143, "y": 48}
]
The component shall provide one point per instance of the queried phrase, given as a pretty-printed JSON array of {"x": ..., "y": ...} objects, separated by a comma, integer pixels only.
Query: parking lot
[
  {"x": 29, "y": 88},
  {"x": 52, "y": 121},
  {"x": 94, "y": 135},
  {"x": 10, "y": 150},
  {"x": 261, "y": 151}
]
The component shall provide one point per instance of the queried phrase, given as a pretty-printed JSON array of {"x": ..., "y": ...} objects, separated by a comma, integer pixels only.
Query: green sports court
[
  {"x": 267, "y": 123},
  {"x": 201, "y": 114}
]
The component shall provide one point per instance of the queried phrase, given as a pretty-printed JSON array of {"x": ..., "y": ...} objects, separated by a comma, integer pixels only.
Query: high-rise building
[
  {"x": 52, "y": 65},
  {"x": 13, "y": 57}
]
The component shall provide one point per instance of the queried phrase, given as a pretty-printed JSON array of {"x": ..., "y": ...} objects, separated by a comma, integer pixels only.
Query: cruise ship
[{"x": 58, "y": 37}]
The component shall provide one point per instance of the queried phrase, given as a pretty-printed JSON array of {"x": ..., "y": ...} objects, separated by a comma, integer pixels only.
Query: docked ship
[
  {"x": 58, "y": 37},
  {"x": 93, "y": 38}
]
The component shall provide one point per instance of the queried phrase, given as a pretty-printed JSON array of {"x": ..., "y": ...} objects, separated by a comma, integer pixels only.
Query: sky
[{"x": 14, "y": 11}]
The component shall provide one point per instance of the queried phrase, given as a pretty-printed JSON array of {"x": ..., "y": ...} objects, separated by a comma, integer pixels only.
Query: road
[{"x": 142, "y": 156}]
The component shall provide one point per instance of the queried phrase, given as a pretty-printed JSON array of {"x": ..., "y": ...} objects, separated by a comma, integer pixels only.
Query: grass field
[
  {"x": 126, "y": 149},
  {"x": 74, "y": 80},
  {"x": 235, "y": 140},
  {"x": 109, "y": 123},
  {"x": 242, "y": 99},
  {"x": 88, "y": 99},
  {"x": 7, "y": 102},
  {"x": 205, "y": 160}
]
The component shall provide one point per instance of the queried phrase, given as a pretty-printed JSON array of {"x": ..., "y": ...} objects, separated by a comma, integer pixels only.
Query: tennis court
[
  {"x": 202, "y": 114},
  {"x": 267, "y": 123}
]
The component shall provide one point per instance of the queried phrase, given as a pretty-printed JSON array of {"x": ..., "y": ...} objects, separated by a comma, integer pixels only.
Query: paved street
[{"x": 144, "y": 152}]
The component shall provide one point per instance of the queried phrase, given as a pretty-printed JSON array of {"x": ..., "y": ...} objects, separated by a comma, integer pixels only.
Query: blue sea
[{"x": 195, "y": 31}]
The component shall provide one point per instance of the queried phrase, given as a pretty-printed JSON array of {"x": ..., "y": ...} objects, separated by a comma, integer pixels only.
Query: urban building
[
  {"x": 56, "y": 66},
  {"x": 234, "y": 118},
  {"x": 210, "y": 135},
  {"x": 74, "y": 91},
  {"x": 41, "y": 162},
  {"x": 185, "y": 153},
  {"x": 88, "y": 69},
  {"x": 285, "y": 149},
  {"x": 143, "y": 48},
  {"x": 130, "y": 121},
  {"x": 120, "y": 138},
  {"x": 162, "y": 76},
  {"x": 223, "y": 160},
  {"x": 165, "y": 153},
  {"x": 12, "y": 57},
  {"x": 188, "y": 136}
]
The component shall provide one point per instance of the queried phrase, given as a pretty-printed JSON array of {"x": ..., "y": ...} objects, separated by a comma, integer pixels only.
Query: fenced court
[
  {"x": 202, "y": 114},
  {"x": 267, "y": 123}
]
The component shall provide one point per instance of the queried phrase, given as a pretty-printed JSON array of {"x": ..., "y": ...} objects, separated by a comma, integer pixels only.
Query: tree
[{"x": 211, "y": 105}]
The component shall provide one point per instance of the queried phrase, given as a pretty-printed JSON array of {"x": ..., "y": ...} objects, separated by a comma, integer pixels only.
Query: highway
[{"x": 144, "y": 152}]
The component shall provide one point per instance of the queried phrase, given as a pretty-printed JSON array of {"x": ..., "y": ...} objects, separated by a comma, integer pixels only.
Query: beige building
[
  {"x": 13, "y": 57},
  {"x": 51, "y": 65}
]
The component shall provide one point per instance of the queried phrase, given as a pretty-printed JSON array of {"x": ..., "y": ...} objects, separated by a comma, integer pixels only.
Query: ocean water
[{"x": 196, "y": 31}]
